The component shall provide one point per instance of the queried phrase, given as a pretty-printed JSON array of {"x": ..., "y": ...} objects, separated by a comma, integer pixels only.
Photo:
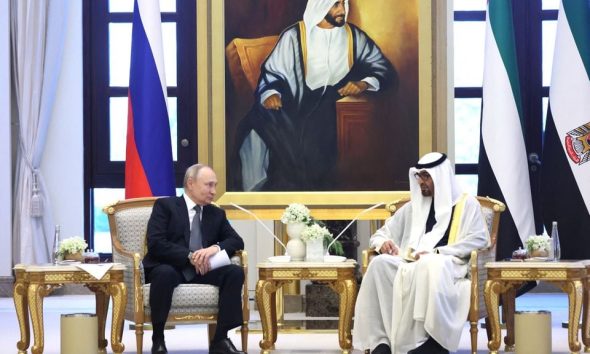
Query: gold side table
[
  {"x": 34, "y": 282},
  {"x": 505, "y": 277},
  {"x": 339, "y": 276}
]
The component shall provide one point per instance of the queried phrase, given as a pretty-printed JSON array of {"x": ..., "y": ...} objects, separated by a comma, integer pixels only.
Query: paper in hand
[{"x": 219, "y": 259}]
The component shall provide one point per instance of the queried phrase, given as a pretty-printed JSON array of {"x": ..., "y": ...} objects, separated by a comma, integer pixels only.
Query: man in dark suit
[{"x": 183, "y": 234}]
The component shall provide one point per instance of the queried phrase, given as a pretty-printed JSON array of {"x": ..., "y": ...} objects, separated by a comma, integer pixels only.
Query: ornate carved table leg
[
  {"x": 347, "y": 291},
  {"x": 491, "y": 296},
  {"x": 574, "y": 292},
  {"x": 22, "y": 313},
  {"x": 118, "y": 292},
  {"x": 274, "y": 323},
  {"x": 102, "y": 308},
  {"x": 508, "y": 301},
  {"x": 35, "y": 298},
  {"x": 266, "y": 300}
]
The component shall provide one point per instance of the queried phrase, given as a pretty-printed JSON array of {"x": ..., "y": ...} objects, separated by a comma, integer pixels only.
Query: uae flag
[
  {"x": 565, "y": 175},
  {"x": 503, "y": 168},
  {"x": 148, "y": 166}
]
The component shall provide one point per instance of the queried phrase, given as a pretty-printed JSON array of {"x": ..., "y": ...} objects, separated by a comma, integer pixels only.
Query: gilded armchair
[
  {"x": 191, "y": 303},
  {"x": 491, "y": 210}
]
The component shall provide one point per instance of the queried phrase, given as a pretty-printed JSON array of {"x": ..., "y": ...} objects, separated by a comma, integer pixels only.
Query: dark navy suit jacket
[{"x": 168, "y": 233}]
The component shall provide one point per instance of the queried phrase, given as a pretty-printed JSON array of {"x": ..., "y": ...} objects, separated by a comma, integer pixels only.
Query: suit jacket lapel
[{"x": 182, "y": 210}]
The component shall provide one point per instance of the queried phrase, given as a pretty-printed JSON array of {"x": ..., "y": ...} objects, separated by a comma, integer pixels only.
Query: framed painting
[{"x": 377, "y": 136}]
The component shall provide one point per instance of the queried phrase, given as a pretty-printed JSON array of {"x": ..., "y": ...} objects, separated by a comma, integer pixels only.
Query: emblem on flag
[{"x": 577, "y": 144}]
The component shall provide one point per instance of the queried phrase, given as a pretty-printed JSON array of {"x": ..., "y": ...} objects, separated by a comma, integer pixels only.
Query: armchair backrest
[
  {"x": 491, "y": 210},
  {"x": 394, "y": 206},
  {"x": 244, "y": 57},
  {"x": 128, "y": 221}
]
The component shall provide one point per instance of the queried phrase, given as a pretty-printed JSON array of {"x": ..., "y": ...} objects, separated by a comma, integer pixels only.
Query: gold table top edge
[
  {"x": 40, "y": 268},
  {"x": 549, "y": 265},
  {"x": 349, "y": 263}
]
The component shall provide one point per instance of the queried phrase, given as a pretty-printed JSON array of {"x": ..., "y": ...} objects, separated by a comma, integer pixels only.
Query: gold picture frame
[{"x": 434, "y": 107}]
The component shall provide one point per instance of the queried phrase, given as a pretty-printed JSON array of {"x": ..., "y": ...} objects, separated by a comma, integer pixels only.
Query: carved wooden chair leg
[
  {"x": 139, "y": 337},
  {"x": 244, "y": 332},
  {"x": 211, "y": 328},
  {"x": 473, "y": 331}
]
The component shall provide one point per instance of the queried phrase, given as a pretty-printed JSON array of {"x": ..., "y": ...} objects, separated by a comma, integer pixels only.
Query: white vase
[
  {"x": 542, "y": 253},
  {"x": 314, "y": 250},
  {"x": 295, "y": 246},
  {"x": 294, "y": 230},
  {"x": 296, "y": 249}
]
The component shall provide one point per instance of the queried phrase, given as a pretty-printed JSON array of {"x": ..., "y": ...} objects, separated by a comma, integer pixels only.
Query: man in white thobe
[
  {"x": 288, "y": 140},
  {"x": 421, "y": 306}
]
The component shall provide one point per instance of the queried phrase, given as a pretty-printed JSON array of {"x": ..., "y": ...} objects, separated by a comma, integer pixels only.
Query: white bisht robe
[{"x": 401, "y": 303}]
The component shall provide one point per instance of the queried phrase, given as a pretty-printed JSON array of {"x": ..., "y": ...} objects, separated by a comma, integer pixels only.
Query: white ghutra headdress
[{"x": 446, "y": 194}]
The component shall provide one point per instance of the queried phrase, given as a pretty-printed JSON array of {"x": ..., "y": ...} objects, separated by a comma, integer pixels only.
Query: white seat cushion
[{"x": 190, "y": 296}]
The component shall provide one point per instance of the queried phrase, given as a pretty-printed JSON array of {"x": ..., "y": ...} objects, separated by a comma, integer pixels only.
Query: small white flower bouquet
[
  {"x": 315, "y": 232},
  {"x": 72, "y": 245},
  {"x": 538, "y": 243},
  {"x": 296, "y": 213},
  {"x": 312, "y": 229}
]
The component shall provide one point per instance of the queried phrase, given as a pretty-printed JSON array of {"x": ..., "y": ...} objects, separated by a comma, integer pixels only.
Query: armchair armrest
[
  {"x": 241, "y": 259},
  {"x": 478, "y": 275},
  {"x": 474, "y": 275},
  {"x": 138, "y": 282},
  {"x": 366, "y": 257}
]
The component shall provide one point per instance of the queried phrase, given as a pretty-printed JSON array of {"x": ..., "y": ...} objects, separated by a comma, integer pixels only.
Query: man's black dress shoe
[
  {"x": 224, "y": 346},
  {"x": 381, "y": 349},
  {"x": 159, "y": 347},
  {"x": 429, "y": 347}
]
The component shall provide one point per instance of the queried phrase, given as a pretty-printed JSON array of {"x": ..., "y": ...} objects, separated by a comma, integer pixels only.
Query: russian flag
[{"x": 148, "y": 168}]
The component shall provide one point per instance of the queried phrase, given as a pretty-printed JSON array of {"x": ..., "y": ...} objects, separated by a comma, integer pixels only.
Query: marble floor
[{"x": 192, "y": 338}]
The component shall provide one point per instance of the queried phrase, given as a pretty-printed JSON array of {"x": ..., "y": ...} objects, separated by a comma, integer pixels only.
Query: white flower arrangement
[
  {"x": 315, "y": 232},
  {"x": 72, "y": 245},
  {"x": 538, "y": 242},
  {"x": 295, "y": 213}
]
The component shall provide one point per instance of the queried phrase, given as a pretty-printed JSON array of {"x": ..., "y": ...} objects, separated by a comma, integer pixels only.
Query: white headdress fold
[
  {"x": 446, "y": 194},
  {"x": 316, "y": 10}
]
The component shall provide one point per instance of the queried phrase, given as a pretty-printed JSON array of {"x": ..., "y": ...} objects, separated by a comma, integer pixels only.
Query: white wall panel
[{"x": 5, "y": 142}]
